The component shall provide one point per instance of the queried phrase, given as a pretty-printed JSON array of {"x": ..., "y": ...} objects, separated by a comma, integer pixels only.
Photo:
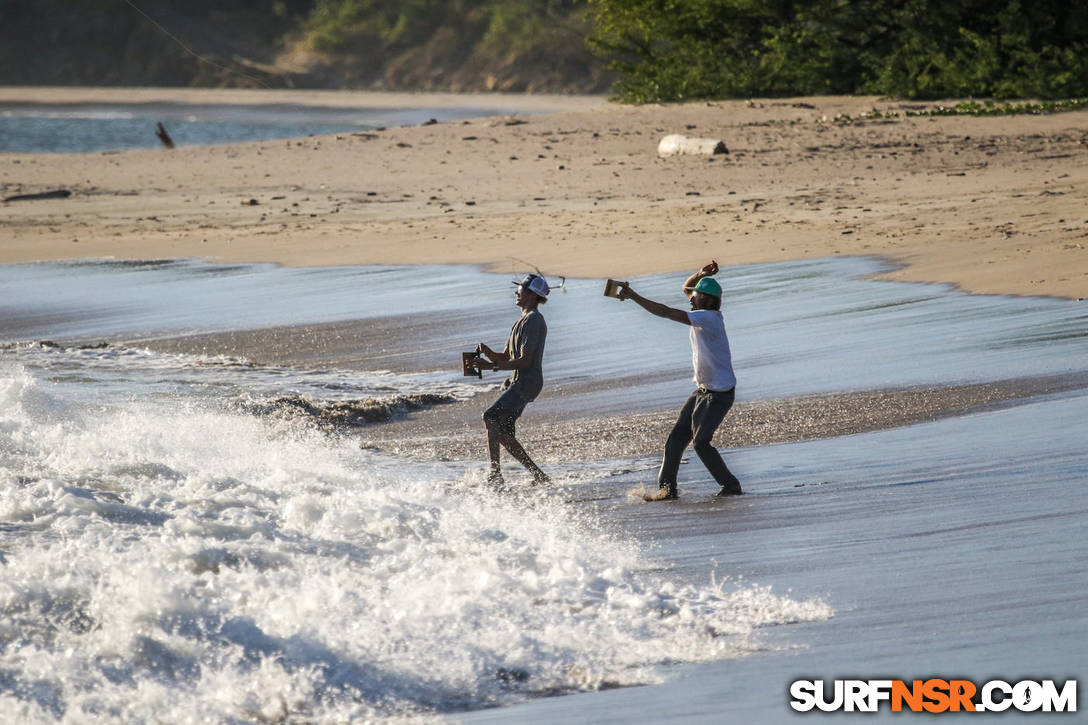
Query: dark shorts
[{"x": 506, "y": 411}]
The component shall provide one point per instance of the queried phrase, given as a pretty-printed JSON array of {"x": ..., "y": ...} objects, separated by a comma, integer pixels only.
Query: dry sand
[
  {"x": 537, "y": 103},
  {"x": 993, "y": 205}
]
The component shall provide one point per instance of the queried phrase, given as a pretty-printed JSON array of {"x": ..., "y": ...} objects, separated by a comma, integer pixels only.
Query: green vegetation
[
  {"x": 964, "y": 108},
  {"x": 513, "y": 45},
  {"x": 992, "y": 108},
  {"x": 151, "y": 42},
  {"x": 500, "y": 44},
  {"x": 673, "y": 50},
  {"x": 642, "y": 50}
]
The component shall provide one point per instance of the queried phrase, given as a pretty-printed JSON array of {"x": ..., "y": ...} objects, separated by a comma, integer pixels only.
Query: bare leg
[
  {"x": 500, "y": 420},
  {"x": 494, "y": 476},
  {"x": 510, "y": 443},
  {"x": 495, "y": 438}
]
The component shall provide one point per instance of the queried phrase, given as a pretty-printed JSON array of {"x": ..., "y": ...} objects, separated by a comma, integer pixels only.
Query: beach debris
[
  {"x": 346, "y": 414},
  {"x": 54, "y": 194},
  {"x": 677, "y": 144},
  {"x": 506, "y": 121},
  {"x": 160, "y": 132},
  {"x": 251, "y": 202}
]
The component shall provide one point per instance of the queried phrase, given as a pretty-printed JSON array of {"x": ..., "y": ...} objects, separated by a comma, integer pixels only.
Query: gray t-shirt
[{"x": 527, "y": 337}]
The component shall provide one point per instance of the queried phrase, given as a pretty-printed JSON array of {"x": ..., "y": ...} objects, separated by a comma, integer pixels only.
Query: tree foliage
[
  {"x": 668, "y": 50},
  {"x": 109, "y": 42},
  {"x": 451, "y": 41},
  {"x": 659, "y": 49}
]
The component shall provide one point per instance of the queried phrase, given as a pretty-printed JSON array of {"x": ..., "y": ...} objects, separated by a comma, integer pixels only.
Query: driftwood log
[
  {"x": 55, "y": 194},
  {"x": 160, "y": 131},
  {"x": 676, "y": 144}
]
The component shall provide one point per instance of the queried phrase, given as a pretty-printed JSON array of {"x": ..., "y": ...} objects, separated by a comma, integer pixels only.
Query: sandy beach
[{"x": 993, "y": 205}]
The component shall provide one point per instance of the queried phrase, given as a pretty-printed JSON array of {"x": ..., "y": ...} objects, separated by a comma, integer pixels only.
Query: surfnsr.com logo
[{"x": 933, "y": 695}]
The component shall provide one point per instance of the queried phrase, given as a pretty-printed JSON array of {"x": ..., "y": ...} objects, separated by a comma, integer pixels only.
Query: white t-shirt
[{"x": 710, "y": 355}]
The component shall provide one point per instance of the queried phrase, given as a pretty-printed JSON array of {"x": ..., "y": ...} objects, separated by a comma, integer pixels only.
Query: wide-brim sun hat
[
  {"x": 535, "y": 283},
  {"x": 709, "y": 286}
]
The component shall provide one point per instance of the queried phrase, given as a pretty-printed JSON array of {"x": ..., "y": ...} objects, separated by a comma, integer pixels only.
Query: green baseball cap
[{"x": 709, "y": 286}]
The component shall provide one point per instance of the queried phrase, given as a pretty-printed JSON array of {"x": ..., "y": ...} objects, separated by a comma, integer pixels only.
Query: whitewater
[{"x": 173, "y": 552}]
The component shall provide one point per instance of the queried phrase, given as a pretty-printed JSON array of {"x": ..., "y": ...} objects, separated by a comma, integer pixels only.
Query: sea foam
[{"x": 180, "y": 560}]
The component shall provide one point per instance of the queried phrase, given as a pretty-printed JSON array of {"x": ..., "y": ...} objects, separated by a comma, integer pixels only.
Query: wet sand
[
  {"x": 993, "y": 205},
  {"x": 559, "y": 426},
  {"x": 455, "y": 431}
]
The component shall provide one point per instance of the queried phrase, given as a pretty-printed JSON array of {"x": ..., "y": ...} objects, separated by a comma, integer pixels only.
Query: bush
[
  {"x": 674, "y": 50},
  {"x": 508, "y": 44}
]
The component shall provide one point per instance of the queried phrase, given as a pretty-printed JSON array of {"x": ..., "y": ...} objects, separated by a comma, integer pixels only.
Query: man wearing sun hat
[
  {"x": 524, "y": 354},
  {"x": 716, "y": 382}
]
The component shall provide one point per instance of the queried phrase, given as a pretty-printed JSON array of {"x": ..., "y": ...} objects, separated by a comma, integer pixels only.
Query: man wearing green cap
[{"x": 716, "y": 383}]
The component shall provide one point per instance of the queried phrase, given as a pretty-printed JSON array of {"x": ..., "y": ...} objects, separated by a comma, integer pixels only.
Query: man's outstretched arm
[{"x": 654, "y": 308}]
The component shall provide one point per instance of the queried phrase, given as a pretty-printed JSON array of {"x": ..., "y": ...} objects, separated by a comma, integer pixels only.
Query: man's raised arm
[{"x": 708, "y": 271}]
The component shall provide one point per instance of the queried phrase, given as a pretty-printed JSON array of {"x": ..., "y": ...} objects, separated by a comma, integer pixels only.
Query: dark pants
[{"x": 699, "y": 418}]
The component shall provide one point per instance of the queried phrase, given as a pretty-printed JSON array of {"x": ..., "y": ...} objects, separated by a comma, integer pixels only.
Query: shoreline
[
  {"x": 992, "y": 205},
  {"x": 83, "y": 95},
  {"x": 561, "y": 425},
  {"x": 454, "y": 431}
]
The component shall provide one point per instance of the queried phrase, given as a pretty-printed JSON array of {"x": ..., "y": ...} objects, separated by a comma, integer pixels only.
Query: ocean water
[
  {"x": 796, "y": 328},
  {"x": 84, "y": 127},
  {"x": 183, "y": 540}
]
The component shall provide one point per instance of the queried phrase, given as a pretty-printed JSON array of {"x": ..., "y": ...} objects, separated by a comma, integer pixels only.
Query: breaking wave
[{"x": 169, "y": 559}]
